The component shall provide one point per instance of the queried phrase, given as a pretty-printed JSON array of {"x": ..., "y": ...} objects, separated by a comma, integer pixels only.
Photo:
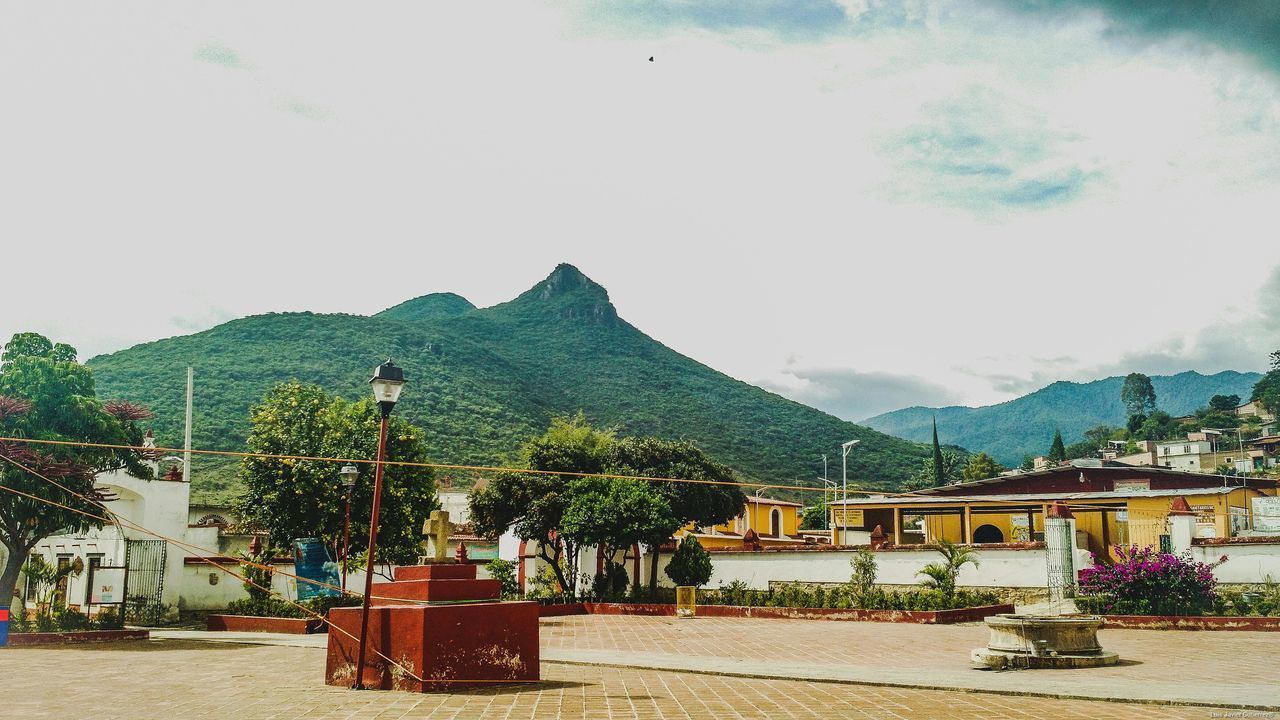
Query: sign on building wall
[
  {"x": 1239, "y": 519},
  {"x": 1130, "y": 485},
  {"x": 311, "y": 562},
  {"x": 108, "y": 586},
  {"x": 848, "y": 517},
  {"x": 1266, "y": 514},
  {"x": 1021, "y": 527}
]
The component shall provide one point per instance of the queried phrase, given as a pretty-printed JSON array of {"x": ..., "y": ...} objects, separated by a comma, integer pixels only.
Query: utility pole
[
  {"x": 186, "y": 438},
  {"x": 844, "y": 483},
  {"x": 826, "y": 515}
]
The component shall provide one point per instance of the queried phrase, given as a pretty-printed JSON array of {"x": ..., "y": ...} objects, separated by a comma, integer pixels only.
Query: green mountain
[
  {"x": 482, "y": 381},
  {"x": 1025, "y": 425}
]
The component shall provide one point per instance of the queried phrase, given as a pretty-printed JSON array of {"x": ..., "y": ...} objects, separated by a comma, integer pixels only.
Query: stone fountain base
[{"x": 1043, "y": 641}]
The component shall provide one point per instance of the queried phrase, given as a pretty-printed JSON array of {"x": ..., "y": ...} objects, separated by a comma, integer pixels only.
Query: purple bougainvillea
[{"x": 1147, "y": 582}]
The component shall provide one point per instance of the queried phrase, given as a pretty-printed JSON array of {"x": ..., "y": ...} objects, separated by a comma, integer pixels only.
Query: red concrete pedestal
[{"x": 446, "y": 646}]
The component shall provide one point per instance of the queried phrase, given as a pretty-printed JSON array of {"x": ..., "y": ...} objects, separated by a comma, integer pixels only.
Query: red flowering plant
[{"x": 1148, "y": 582}]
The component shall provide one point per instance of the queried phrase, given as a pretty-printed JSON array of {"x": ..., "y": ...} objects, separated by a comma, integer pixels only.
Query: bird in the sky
[{"x": 650, "y": 58}]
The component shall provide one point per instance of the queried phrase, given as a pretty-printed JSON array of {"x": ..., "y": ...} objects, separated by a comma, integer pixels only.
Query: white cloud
[{"x": 752, "y": 194}]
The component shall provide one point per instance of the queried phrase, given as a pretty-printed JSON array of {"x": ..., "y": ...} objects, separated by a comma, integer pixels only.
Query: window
[
  {"x": 775, "y": 523},
  {"x": 1186, "y": 449}
]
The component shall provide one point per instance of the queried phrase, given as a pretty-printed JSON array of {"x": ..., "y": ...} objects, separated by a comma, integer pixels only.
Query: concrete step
[
  {"x": 436, "y": 590},
  {"x": 440, "y": 571}
]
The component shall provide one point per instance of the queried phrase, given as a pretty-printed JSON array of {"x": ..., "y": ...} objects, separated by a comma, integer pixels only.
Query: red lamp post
[
  {"x": 387, "y": 382},
  {"x": 349, "y": 474}
]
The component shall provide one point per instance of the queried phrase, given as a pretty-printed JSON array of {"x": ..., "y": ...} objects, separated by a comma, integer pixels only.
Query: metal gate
[
  {"x": 144, "y": 581},
  {"x": 1059, "y": 551}
]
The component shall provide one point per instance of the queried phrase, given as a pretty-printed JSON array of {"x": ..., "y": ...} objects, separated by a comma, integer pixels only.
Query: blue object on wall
[
  {"x": 4, "y": 626},
  {"x": 311, "y": 562}
]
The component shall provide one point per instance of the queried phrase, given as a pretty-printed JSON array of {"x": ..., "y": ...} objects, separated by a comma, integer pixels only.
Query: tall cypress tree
[
  {"x": 1057, "y": 451},
  {"x": 938, "y": 478}
]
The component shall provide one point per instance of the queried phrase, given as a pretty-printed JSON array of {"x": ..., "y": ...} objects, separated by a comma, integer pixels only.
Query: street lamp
[
  {"x": 844, "y": 483},
  {"x": 348, "y": 473},
  {"x": 387, "y": 382}
]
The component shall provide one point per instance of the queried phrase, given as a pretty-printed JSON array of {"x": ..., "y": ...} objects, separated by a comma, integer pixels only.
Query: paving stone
[{"x": 200, "y": 680}]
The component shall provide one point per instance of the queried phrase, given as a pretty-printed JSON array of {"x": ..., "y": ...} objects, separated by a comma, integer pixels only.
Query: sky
[{"x": 862, "y": 205}]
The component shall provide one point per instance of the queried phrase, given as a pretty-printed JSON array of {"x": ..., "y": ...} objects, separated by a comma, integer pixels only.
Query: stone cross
[{"x": 437, "y": 529}]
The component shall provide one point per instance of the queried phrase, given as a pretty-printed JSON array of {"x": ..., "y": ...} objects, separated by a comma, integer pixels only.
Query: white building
[
  {"x": 165, "y": 571},
  {"x": 1183, "y": 454}
]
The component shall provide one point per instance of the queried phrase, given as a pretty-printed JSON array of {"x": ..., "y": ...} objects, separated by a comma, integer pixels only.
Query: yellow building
[
  {"x": 1114, "y": 506},
  {"x": 775, "y": 522}
]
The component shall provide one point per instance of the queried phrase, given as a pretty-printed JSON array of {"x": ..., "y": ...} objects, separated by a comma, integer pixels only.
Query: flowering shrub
[{"x": 1148, "y": 582}]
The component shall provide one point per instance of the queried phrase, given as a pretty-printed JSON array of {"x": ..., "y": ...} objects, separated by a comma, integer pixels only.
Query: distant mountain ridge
[
  {"x": 1025, "y": 425},
  {"x": 481, "y": 381}
]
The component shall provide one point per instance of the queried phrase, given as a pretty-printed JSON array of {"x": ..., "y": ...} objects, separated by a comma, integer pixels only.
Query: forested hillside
[
  {"x": 481, "y": 381},
  {"x": 1025, "y": 425}
]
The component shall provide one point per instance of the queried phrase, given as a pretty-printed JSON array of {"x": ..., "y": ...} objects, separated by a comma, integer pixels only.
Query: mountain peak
[
  {"x": 569, "y": 294},
  {"x": 429, "y": 307}
]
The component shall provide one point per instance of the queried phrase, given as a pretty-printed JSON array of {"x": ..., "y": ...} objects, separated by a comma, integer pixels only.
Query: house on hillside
[
  {"x": 1208, "y": 450},
  {"x": 1114, "y": 506}
]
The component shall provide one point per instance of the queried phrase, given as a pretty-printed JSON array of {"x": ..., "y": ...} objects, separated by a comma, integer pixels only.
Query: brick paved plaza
[{"x": 178, "y": 678}]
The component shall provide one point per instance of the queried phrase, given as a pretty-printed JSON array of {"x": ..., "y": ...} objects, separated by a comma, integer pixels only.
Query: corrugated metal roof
[{"x": 1034, "y": 497}]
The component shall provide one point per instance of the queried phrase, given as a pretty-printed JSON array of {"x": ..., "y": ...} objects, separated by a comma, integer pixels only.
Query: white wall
[
  {"x": 1246, "y": 563},
  {"x": 997, "y": 568}
]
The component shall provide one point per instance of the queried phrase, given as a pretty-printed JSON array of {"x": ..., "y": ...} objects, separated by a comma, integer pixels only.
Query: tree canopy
[
  {"x": 305, "y": 498},
  {"x": 1057, "y": 451},
  {"x": 981, "y": 467},
  {"x": 1266, "y": 392},
  {"x": 1138, "y": 395},
  {"x": 46, "y": 394},
  {"x": 565, "y": 512}
]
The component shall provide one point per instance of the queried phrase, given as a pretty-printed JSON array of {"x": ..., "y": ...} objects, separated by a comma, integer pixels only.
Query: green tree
[
  {"x": 699, "y": 504},
  {"x": 1266, "y": 392},
  {"x": 1057, "y": 451},
  {"x": 1224, "y": 403},
  {"x": 1138, "y": 395},
  {"x": 305, "y": 498},
  {"x": 939, "y": 462},
  {"x": 1028, "y": 463},
  {"x": 534, "y": 504},
  {"x": 952, "y": 472},
  {"x": 1082, "y": 449},
  {"x": 690, "y": 564},
  {"x": 46, "y": 394},
  {"x": 981, "y": 467},
  {"x": 1098, "y": 435},
  {"x": 614, "y": 514},
  {"x": 1158, "y": 426},
  {"x": 942, "y": 576},
  {"x": 814, "y": 517}
]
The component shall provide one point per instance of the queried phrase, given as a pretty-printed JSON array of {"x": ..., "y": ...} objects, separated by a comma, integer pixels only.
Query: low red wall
[
  {"x": 252, "y": 623},
  {"x": 561, "y": 610},
  {"x": 928, "y": 617},
  {"x": 75, "y": 638},
  {"x": 1174, "y": 622}
]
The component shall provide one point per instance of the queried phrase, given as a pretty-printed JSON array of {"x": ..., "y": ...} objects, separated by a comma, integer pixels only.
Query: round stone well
[{"x": 1043, "y": 641}]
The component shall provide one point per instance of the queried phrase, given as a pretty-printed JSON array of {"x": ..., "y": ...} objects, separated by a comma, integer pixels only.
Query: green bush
[
  {"x": 277, "y": 607},
  {"x": 504, "y": 571},
  {"x": 864, "y": 570},
  {"x": 848, "y": 596},
  {"x": 690, "y": 564}
]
